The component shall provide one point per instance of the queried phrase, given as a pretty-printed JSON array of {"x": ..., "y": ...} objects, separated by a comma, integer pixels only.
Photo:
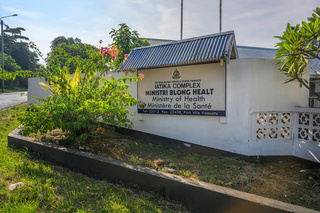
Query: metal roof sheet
[
  {"x": 197, "y": 50},
  {"x": 268, "y": 53},
  {"x": 256, "y": 52}
]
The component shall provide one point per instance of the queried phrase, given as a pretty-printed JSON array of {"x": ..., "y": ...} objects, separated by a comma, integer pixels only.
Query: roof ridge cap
[{"x": 187, "y": 39}]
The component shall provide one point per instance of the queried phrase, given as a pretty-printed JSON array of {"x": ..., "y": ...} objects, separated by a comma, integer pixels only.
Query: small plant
[
  {"x": 77, "y": 105},
  {"x": 134, "y": 159}
]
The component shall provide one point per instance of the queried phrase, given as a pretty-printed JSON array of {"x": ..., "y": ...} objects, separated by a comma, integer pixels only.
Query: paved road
[{"x": 12, "y": 99}]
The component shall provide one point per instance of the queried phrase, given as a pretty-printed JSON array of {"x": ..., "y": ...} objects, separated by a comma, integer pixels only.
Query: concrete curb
[{"x": 198, "y": 195}]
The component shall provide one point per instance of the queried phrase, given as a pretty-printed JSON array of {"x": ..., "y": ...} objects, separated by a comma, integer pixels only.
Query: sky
[{"x": 255, "y": 22}]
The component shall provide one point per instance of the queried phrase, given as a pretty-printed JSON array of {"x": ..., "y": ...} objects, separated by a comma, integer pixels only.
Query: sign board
[{"x": 187, "y": 90}]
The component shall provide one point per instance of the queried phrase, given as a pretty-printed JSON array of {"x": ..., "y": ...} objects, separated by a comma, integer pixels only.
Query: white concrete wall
[
  {"x": 262, "y": 90},
  {"x": 308, "y": 150},
  {"x": 208, "y": 131},
  {"x": 252, "y": 85},
  {"x": 35, "y": 90},
  {"x": 304, "y": 148},
  {"x": 268, "y": 91}
]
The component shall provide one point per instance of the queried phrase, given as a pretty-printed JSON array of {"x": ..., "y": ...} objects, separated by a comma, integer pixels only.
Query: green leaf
[
  {"x": 289, "y": 28},
  {"x": 287, "y": 47},
  {"x": 306, "y": 26}
]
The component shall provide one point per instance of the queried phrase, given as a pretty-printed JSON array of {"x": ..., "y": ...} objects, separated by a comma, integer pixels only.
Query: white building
[
  {"x": 200, "y": 95},
  {"x": 197, "y": 91}
]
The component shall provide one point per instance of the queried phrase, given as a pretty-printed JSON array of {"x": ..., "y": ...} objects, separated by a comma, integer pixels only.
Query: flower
[
  {"x": 125, "y": 56},
  {"x": 104, "y": 50},
  {"x": 141, "y": 75},
  {"x": 113, "y": 52},
  {"x": 101, "y": 50},
  {"x": 110, "y": 76},
  {"x": 95, "y": 99}
]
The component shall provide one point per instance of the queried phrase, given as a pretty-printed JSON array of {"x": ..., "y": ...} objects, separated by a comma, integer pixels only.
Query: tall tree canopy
[
  {"x": 63, "y": 40},
  {"x": 17, "y": 56},
  {"x": 10, "y": 64},
  {"x": 297, "y": 46},
  {"x": 125, "y": 40},
  {"x": 16, "y": 45},
  {"x": 71, "y": 46}
]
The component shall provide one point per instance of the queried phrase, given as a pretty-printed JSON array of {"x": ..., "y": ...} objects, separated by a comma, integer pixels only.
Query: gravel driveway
[{"x": 12, "y": 99}]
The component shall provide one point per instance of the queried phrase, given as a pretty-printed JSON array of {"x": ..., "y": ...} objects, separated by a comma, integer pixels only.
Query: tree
[
  {"x": 10, "y": 66},
  {"x": 297, "y": 46},
  {"x": 63, "y": 48},
  {"x": 13, "y": 36},
  {"x": 63, "y": 40},
  {"x": 17, "y": 57},
  {"x": 125, "y": 40},
  {"x": 17, "y": 46}
]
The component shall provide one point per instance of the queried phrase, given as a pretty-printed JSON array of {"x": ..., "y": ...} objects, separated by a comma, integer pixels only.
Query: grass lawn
[
  {"x": 287, "y": 181},
  {"x": 15, "y": 90},
  {"x": 51, "y": 188}
]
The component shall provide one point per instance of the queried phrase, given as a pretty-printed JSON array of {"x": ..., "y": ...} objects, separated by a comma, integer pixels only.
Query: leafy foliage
[
  {"x": 63, "y": 40},
  {"x": 17, "y": 46},
  {"x": 12, "y": 73},
  {"x": 78, "y": 104},
  {"x": 297, "y": 46},
  {"x": 125, "y": 40},
  {"x": 73, "y": 47},
  {"x": 17, "y": 57},
  {"x": 10, "y": 64},
  {"x": 51, "y": 188}
]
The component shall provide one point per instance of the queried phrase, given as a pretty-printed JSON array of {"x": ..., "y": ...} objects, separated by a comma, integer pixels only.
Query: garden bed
[{"x": 274, "y": 179}]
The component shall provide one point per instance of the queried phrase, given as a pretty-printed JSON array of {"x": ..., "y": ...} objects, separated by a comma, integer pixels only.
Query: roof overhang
[{"x": 205, "y": 49}]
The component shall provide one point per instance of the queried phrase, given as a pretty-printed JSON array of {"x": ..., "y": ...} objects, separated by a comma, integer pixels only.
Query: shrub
[{"x": 78, "y": 104}]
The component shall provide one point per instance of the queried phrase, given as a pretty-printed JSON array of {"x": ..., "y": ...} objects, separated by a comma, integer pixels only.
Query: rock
[{"x": 169, "y": 169}]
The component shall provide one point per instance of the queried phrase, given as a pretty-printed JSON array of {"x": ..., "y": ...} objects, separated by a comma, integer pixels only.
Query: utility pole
[
  {"x": 2, "y": 44},
  {"x": 181, "y": 19},
  {"x": 220, "y": 14},
  {"x": 2, "y": 55}
]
